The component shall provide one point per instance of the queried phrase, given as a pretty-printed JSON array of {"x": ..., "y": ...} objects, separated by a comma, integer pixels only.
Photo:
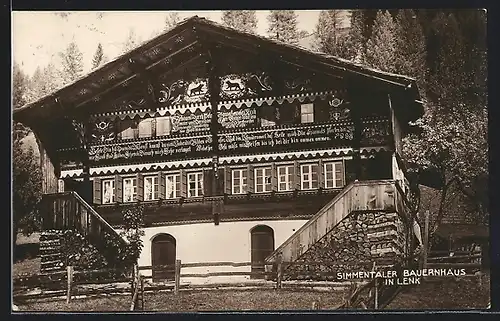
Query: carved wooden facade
[{"x": 204, "y": 122}]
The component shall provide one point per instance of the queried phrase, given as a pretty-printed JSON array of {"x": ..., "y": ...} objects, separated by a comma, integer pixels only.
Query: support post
[
  {"x": 426, "y": 239},
  {"x": 375, "y": 303},
  {"x": 279, "y": 277},
  {"x": 69, "y": 270},
  {"x": 142, "y": 294},
  {"x": 177, "y": 276}
]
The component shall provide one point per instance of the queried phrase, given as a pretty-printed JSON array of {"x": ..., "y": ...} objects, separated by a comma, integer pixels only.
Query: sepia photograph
[{"x": 250, "y": 160}]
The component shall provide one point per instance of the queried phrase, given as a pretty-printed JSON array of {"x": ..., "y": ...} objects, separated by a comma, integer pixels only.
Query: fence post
[
  {"x": 69, "y": 270},
  {"x": 142, "y": 294},
  {"x": 177, "y": 276},
  {"x": 376, "y": 295},
  {"x": 279, "y": 272}
]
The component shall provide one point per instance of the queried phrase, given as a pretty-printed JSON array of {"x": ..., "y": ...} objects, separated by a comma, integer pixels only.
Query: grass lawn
[
  {"x": 26, "y": 260},
  {"x": 444, "y": 294}
]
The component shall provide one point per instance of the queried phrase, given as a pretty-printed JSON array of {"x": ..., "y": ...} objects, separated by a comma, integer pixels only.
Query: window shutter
[
  {"x": 321, "y": 176},
  {"x": 227, "y": 180},
  {"x": 296, "y": 175},
  {"x": 184, "y": 185},
  {"x": 118, "y": 189},
  {"x": 250, "y": 179},
  {"x": 207, "y": 182},
  {"x": 274, "y": 177},
  {"x": 140, "y": 187},
  {"x": 97, "y": 190},
  {"x": 161, "y": 185},
  {"x": 339, "y": 173}
]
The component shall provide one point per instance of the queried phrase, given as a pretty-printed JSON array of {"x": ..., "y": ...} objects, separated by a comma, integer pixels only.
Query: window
[
  {"x": 263, "y": 179},
  {"x": 309, "y": 176},
  {"x": 172, "y": 184},
  {"x": 306, "y": 113},
  {"x": 60, "y": 186},
  {"x": 195, "y": 184},
  {"x": 334, "y": 176},
  {"x": 127, "y": 129},
  {"x": 150, "y": 188},
  {"x": 239, "y": 181},
  {"x": 145, "y": 128},
  {"x": 108, "y": 191},
  {"x": 163, "y": 126},
  {"x": 285, "y": 178},
  {"x": 130, "y": 189}
]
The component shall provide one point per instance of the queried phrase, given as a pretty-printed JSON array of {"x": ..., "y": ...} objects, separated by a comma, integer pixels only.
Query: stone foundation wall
[{"x": 358, "y": 241}]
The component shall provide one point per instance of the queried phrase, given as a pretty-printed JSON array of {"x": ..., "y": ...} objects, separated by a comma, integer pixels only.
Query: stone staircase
[{"x": 362, "y": 225}]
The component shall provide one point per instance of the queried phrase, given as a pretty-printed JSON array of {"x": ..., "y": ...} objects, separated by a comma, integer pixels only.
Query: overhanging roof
[{"x": 121, "y": 69}]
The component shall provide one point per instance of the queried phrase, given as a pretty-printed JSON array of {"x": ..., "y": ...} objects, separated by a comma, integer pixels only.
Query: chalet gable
[{"x": 189, "y": 58}]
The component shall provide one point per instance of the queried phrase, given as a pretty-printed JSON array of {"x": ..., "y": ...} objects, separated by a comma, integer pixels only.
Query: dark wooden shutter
[
  {"x": 340, "y": 175},
  {"x": 140, "y": 187},
  {"x": 321, "y": 111},
  {"x": 321, "y": 176},
  {"x": 208, "y": 178},
  {"x": 296, "y": 175},
  {"x": 184, "y": 185},
  {"x": 118, "y": 188},
  {"x": 274, "y": 177},
  {"x": 250, "y": 179},
  {"x": 161, "y": 185},
  {"x": 227, "y": 180},
  {"x": 97, "y": 190}
]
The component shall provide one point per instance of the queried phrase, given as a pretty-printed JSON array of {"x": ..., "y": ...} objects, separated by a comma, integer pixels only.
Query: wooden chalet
[{"x": 236, "y": 145}]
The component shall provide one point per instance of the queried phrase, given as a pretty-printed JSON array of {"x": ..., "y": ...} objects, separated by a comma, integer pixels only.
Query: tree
[
  {"x": 72, "y": 63},
  {"x": 243, "y": 20},
  {"x": 26, "y": 173},
  {"x": 410, "y": 55},
  {"x": 132, "y": 41},
  {"x": 329, "y": 36},
  {"x": 171, "y": 20},
  {"x": 98, "y": 58},
  {"x": 356, "y": 41},
  {"x": 283, "y": 26},
  {"x": 381, "y": 47}
]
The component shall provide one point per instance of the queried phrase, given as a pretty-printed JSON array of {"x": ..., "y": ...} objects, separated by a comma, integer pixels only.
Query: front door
[
  {"x": 163, "y": 253},
  {"x": 262, "y": 238}
]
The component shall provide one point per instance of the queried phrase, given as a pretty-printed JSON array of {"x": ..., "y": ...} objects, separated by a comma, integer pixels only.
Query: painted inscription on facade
[
  {"x": 167, "y": 148},
  {"x": 237, "y": 119},
  {"x": 191, "y": 123},
  {"x": 288, "y": 138}
]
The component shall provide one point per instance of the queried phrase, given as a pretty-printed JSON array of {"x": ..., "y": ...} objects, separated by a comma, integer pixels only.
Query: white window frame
[
  {"x": 198, "y": 180},
  {"x": 262, "y": 170},
  {"x": 155, "y": 186},
  {"x": 285, "y": 179},
  {"x": 176, "y": 182},
  {"x": 309, "y": 181},
  {"x": 242, "y": 188},
  {"x": 112, "y": 199},
  {"x": 133, "y": 191},
  {"x": 306, "y": 115},
  {"x": 334, "y": 165}
]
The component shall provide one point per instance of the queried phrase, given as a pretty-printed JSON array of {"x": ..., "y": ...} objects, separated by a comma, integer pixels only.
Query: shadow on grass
[{"x": 26, "y": 251}]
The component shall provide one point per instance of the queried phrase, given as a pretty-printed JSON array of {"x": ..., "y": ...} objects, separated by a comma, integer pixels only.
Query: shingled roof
[{"x": 87, "y": 86}]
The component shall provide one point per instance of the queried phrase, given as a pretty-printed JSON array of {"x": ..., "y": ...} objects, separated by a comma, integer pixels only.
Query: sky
[{"x": 38, "y": 37}]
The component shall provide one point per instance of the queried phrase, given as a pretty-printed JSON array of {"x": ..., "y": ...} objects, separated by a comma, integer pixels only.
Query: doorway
[
  {"x": 163, "y": 251},
  {"x": 262, "y": 244}
]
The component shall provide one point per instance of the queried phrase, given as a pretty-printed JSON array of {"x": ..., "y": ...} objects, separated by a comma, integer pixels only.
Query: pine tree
[
  {"x": 72, "y": 63},
  {"x": 328, "y": 33},
  {"x": 98, "y": 58},
  {"x": 132, "y": 41},
  {"x": 283, "y": 26},
  {"x": 19, "y": 86},
  {"x": 171, "y": 20},
  {"x": 381, "y": 47},
  {"x": 410, "y": 58},
  {"x": 356, "y": 41},
  {"x": 243, "y": 20}
]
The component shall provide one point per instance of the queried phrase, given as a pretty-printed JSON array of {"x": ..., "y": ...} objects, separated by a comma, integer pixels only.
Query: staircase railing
[
  {"x": 69, "y": 211},
  {"x": 374, "y": 195}
]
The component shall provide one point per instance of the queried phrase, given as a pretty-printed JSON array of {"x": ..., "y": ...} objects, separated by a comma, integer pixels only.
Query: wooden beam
[{"x": 134, "y": 75}]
